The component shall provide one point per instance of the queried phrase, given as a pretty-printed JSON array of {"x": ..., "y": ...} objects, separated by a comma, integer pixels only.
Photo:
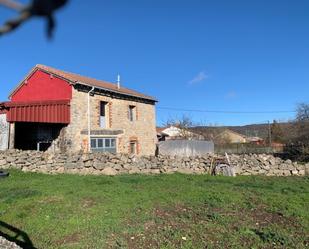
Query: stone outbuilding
[{"x": 60, "y": 111}]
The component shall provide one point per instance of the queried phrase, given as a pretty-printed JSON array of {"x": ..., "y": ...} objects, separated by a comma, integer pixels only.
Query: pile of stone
[
  {"x": 110, "y": 164},
  {"x": 5, "y": 244}
]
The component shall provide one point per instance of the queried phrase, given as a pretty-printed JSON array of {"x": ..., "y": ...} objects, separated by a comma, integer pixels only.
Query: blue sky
[{"x": 239, "y": 55}]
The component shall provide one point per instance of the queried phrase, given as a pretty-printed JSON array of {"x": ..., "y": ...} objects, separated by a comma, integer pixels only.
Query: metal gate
[
  {"x": 186, "y": 148},
  {"x": 4, "y": 132}
]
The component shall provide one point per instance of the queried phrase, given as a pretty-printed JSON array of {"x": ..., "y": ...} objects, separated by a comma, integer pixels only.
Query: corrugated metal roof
[{"x": 39, "y": 112}]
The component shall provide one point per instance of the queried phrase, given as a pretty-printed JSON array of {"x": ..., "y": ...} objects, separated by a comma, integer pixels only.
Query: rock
[
  {"x": 10, "y": 159},
  {"x": 88, "y": 164},
  {"x": 307, "y": 169},
  {"x": 98, "y": 165},
  {"x": 155, "y": 171},
  {"x": 5, "y": 244},
  {"x": 109, "y": 171},
  {"x": 127, "y": 166},
  {"x": 118, "y": 167},
  {"x": 294, "y": 172},
  {"x": 287, "y": 172},
  {"x": 272, "y": 161},
  {"x": 69, "y": 166},
  {"x": 134, "y": 171},
  {"x": 184, "y": 171}
]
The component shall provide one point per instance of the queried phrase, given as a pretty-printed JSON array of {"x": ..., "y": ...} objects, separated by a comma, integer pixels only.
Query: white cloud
[{"x": 201, "y": 76}]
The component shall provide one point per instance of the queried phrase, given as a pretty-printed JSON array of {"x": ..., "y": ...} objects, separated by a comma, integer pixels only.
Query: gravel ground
[{"x": 4, "y": 244}]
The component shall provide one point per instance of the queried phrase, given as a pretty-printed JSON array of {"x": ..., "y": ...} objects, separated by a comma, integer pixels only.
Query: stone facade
[
  {"x": 142, "y": 130},
  {"x": 110, "y": 164}
]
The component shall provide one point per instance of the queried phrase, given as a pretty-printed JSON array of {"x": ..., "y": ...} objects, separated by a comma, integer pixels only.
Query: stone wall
[{"x": 109, "y": 164}]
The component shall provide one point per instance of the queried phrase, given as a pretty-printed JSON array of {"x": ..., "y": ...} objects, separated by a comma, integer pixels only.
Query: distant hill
[{"x": 253, "y": 130}]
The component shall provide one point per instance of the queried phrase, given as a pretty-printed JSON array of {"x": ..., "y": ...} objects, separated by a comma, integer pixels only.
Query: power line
[{"x": 222, "y": 111}]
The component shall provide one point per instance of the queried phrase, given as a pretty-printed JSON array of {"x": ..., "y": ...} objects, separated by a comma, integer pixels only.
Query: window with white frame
[
  {"x": 100, "y": 144},
  {"x": 103, "y": 110}
]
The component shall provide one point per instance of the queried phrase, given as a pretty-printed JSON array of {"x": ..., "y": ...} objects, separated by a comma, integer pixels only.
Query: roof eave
[
  {"x": 114, "y": 91},
  {"x": 20, "y": 84}
]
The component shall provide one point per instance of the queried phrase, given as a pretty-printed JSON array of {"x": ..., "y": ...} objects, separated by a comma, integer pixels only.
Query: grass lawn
[{"x": 164, "y": 211}]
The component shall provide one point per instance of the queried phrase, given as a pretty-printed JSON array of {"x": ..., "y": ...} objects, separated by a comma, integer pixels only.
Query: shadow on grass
[{"x": 15, "y": 235}]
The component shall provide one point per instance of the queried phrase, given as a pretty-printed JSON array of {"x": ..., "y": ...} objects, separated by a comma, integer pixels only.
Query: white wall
[
  {"x": 172, "y": 131},
  {"x": 4, "y": 132}
]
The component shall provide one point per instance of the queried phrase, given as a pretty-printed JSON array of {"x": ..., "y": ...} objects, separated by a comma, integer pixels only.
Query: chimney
[{"x": 118, "y": 81}]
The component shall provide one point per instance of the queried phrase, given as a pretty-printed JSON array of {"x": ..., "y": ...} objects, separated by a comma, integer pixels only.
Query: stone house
[
  {"x": 229, "y": 136},
  {"x": 60, "y": 111}
]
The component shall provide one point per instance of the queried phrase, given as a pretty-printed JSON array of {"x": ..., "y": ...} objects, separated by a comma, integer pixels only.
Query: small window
[
  {"x": 102, "y": 108},
  {"x": 103, "y": 145},
  {"x": 103, "y": 114},
  {"x": 132, "y": 111},
  {"x": 133, "y": 147}
]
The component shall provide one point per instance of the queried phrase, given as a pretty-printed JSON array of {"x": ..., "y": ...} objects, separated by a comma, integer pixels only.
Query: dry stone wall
[
  {"x": 5, "y": 244},
  {"x": 109, "y": 164}
]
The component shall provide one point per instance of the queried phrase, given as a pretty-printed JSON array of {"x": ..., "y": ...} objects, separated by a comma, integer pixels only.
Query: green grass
[{"x": 165, "y": 211}]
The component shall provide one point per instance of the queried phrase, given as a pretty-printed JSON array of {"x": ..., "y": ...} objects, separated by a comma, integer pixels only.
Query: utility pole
[{"x": 269, "y": 133}]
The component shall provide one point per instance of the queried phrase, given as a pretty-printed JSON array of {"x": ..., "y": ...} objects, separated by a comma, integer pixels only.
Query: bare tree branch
[
  {"x": 42, "y": 8},
  {"x": 12, "y": 5}
]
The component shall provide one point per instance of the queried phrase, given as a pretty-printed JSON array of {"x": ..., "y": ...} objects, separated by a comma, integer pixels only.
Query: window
[
  {"x": 103, "y": 145},
  {"x": 132, "y": 111},
  {"x": 133, "y": 147},
  {"x": 103, "y": 114}
]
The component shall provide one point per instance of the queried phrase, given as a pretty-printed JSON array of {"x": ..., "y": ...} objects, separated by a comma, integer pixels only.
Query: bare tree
[
  {"x": 186, "y": 127},
  {"x": 302, "y": 123},
  {"x": 298, "y": 146},
  {"x": 41, "y": 8},
  {"x": 302, "y": 112}
]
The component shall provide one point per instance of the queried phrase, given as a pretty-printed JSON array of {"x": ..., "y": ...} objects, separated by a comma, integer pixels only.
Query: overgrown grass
[{"x": 165, "y": 211}]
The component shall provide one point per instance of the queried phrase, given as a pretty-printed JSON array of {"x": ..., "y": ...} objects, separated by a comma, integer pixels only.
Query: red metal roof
[{"x": 57, "y": 111}]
